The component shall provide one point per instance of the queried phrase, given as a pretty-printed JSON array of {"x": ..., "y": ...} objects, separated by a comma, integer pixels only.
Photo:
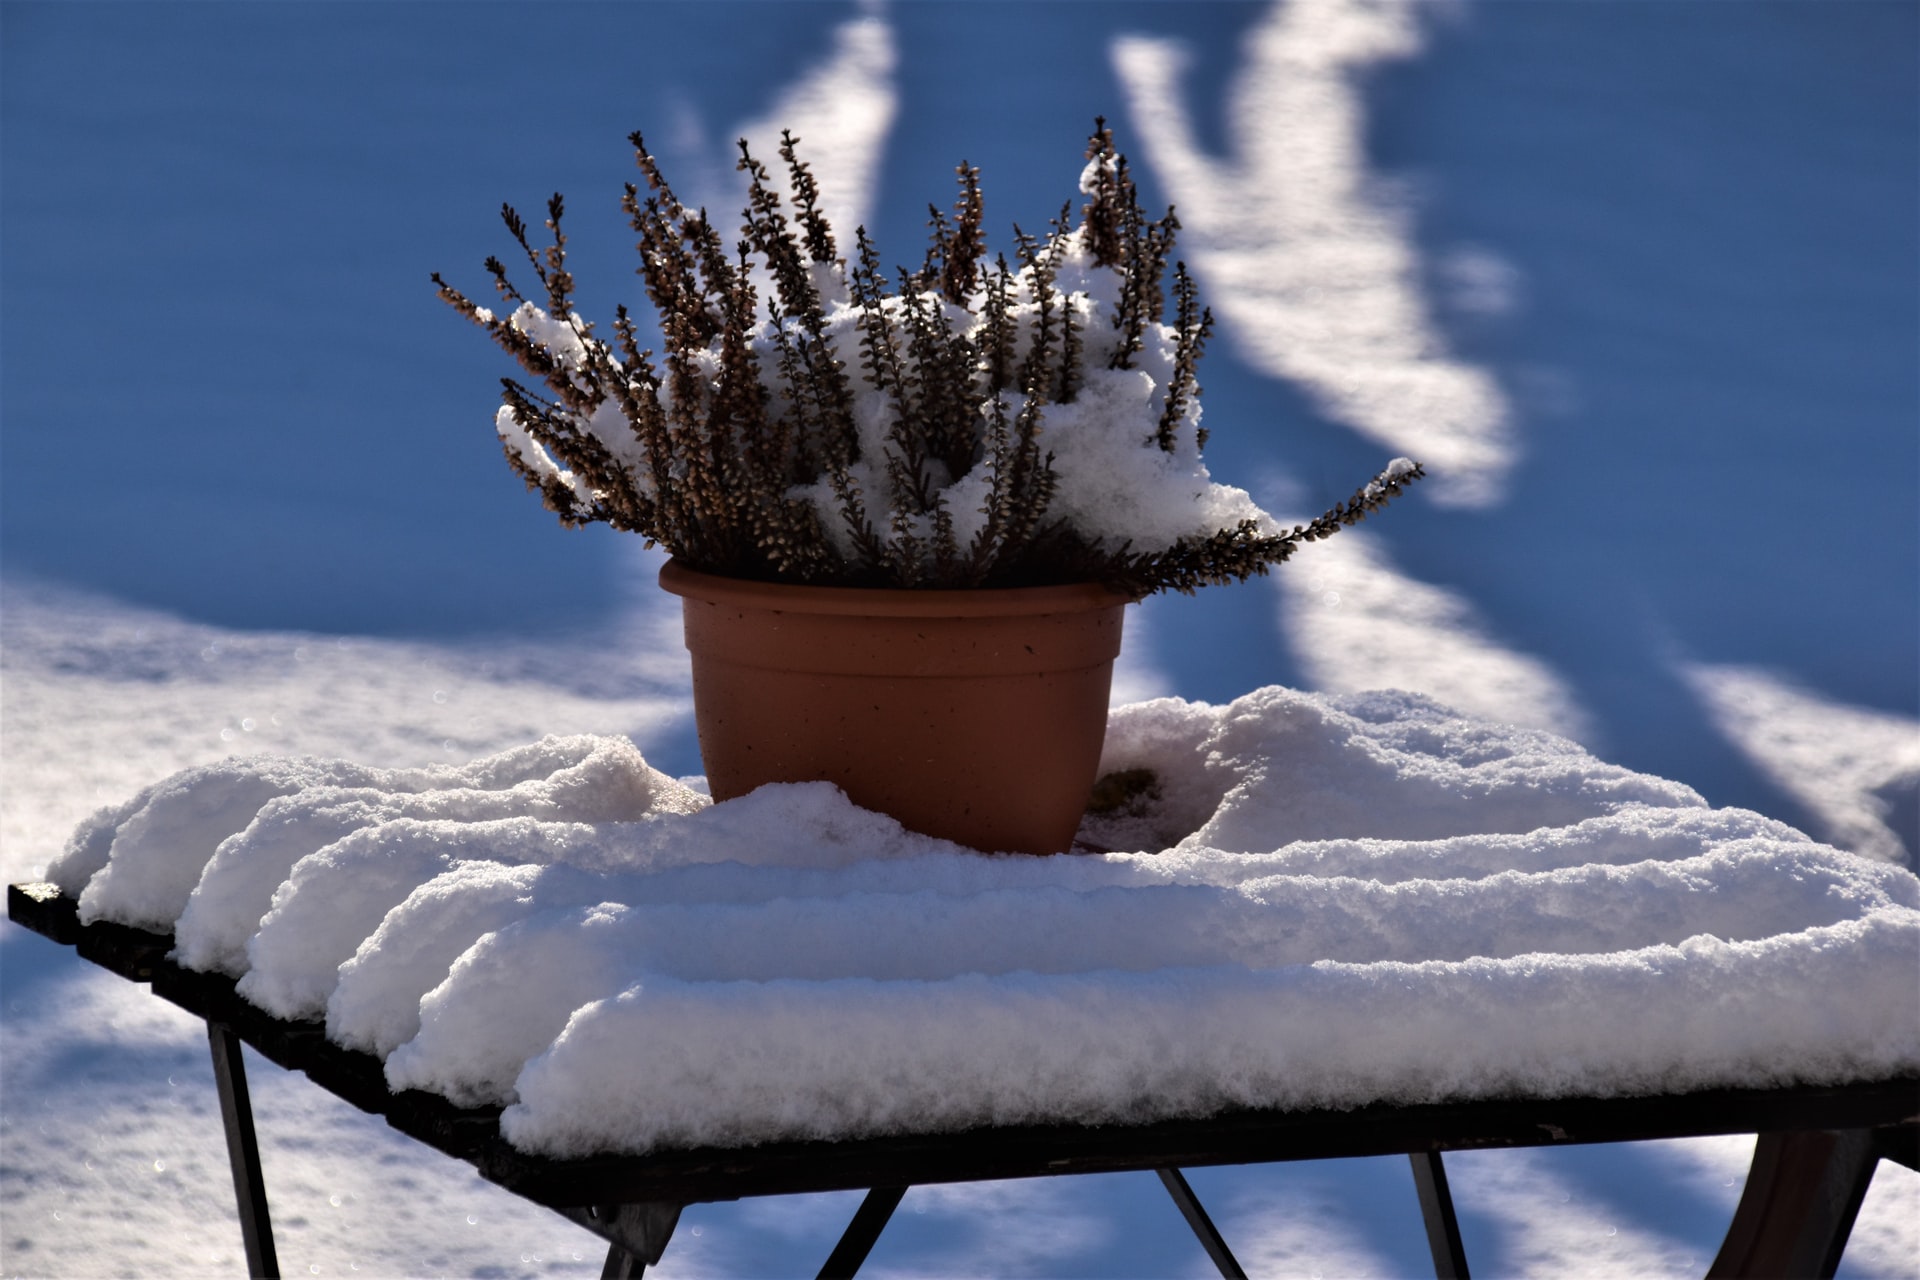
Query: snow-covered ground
[{"x": 1637, "y": 283}]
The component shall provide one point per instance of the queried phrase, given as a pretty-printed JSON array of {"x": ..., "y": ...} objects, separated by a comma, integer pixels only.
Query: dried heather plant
[{"x": 967, "y": 425}]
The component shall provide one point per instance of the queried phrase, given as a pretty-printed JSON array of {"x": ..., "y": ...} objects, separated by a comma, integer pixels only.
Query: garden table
[{"x": 1817, "y": 1151}]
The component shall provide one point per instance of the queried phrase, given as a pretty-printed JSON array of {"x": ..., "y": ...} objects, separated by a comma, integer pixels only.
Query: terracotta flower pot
[{"x": 976, "y": 716}]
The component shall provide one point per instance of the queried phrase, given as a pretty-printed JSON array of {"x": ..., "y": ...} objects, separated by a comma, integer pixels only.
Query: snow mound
[
  {"x": 1329, "y": 901},
  {"x": 1276, "y": 766},
  {"x": 574, "y": 779}
]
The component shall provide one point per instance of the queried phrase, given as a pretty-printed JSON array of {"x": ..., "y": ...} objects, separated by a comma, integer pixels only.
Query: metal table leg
[
  {"x": 637, "y": 1234},
  {"x": 1436, "y": 1210},
  {"x": 858, "y": 1239},
  {"x": 243, "y": 1151},
  {"x": 1803, "y": 1192},
  {"x": 1196, "y": 1216}
]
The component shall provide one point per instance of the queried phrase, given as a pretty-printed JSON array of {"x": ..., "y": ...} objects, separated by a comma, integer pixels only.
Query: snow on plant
[{"x": 1009, "y": 424}]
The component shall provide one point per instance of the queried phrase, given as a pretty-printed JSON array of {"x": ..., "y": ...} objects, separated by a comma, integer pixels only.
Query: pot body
[{"x": 976, "y": 716}]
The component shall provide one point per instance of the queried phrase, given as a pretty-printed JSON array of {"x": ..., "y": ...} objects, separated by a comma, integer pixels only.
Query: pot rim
[{"x": 889, "y": 602}]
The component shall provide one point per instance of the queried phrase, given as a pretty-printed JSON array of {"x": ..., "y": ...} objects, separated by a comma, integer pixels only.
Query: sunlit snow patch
[
  {"x": 1856, "y": 769},
  {"x": 1356, "y": 622},
  {"x": 1314, "y": 275},
  {"x": 841, "y": 108}
]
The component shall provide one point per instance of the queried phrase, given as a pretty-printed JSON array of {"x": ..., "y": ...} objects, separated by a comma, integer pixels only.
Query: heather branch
[
  {"x": 723, "y": 459},
  {"x": 532, "y": 356},
  {"x": 941, "y": 381},
  {"x": 1105, "y": 214},
  {"x": 806, "y": 195},
  {"x": 1191, "y": 327},
  {"x": 816, "y": 376},
  {"x": 1233, "y": 555},
  {"x": 960, "y": 269},
  {"x": 868, "y": 287},
  {"x": 766, "y": 228}
]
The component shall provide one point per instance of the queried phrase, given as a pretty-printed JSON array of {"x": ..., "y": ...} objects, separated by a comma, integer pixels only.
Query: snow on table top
[{"x": 1338, "y": 900}]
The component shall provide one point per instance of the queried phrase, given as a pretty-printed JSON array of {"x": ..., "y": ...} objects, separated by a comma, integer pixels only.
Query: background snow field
[{"x": 1636, "y": 282}]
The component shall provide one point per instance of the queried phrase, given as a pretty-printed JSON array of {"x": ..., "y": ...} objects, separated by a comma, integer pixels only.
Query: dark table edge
[{"x": 1244, "y": 1136}]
